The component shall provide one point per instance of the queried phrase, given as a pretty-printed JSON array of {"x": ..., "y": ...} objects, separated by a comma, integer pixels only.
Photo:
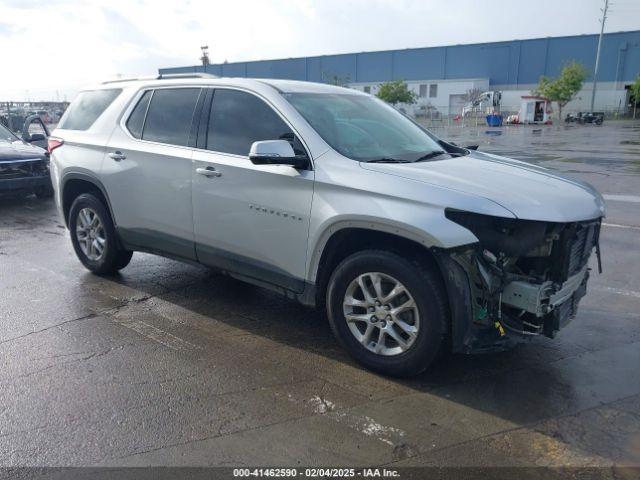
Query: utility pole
[
  {"x": 595, "y": 70},
  {"x": 205, "y": 55},
  {"x": 9, "y": 119}
]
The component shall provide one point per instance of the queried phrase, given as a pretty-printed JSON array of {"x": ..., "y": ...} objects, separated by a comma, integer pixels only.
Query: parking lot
[{"x": 172, "y": 364}]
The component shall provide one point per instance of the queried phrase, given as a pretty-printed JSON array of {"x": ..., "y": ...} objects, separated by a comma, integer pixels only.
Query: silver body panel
[
  {"x": 150, "y": 190},
  {"x": 259, "y": 213},
  {"x": 280, "y": 218},
  {"x": 527, "y": 191}
]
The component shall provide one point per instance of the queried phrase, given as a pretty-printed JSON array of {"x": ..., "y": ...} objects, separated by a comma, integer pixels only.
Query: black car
[
  {"x": 585, "y": 117},
  {"x": 24, "y": 167}
]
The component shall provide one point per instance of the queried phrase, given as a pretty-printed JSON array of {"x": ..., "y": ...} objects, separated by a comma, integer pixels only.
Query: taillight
[{"x": 54, "y": 143}]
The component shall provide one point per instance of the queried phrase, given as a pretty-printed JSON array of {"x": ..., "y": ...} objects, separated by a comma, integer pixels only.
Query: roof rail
[
  {"x": 130, "y": 79},
  {"x": 186, "y": 75},
  {"x": 162, "y": 76}
]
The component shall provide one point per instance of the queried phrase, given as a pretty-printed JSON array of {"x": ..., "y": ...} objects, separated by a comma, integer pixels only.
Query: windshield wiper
[
  {"x": 430, "y": 155},
  {"x": 387, "y": 160}
]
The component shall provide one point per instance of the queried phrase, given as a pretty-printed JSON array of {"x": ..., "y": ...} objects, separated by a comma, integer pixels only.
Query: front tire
[
  {"x": 389, "y": 312},
  {"x": 94, "y": 237}
]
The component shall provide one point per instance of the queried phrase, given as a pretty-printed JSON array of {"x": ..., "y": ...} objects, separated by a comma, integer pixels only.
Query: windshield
[
  {"x": 362, "y": 127},
  {"x": 5, "y": 134}
]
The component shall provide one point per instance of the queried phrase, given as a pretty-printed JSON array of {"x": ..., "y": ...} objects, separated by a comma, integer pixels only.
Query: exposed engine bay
[{"x": 524, "y": 277}]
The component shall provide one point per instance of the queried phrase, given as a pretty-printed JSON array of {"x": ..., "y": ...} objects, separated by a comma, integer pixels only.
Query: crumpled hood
[
  {"x": 528, "y": 191},
  {"x": 17, "y": 150}
]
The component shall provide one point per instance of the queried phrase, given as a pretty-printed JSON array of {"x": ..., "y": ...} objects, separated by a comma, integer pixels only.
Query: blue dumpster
[{"x": 494, "y": 120}]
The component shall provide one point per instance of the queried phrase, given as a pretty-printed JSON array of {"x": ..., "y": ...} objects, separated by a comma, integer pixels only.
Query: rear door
[
  {"x": 249, "y": 219},
  {"x": 147, "y": 171}
]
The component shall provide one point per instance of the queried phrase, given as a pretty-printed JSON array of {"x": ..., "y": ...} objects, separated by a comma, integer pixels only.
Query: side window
[
  {"x": 170, "y": 114},
  {"x": 136, "y": 119},
  {"x": 87, "y": 107},
  {"x": 238, "y": 119}
]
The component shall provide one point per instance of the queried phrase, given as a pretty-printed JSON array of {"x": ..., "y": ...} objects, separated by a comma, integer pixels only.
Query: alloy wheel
[
  {"x": 381, "y": 313},
  {"x": 90, "y": 234}
]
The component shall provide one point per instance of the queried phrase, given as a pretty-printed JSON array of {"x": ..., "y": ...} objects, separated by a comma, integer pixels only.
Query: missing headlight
[{"x": 509, "y": 236}]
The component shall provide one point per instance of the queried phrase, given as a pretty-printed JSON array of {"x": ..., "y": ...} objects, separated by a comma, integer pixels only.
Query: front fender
[
  {"x": 433, "y": 230},
  {"x": 347, "y": 195}
]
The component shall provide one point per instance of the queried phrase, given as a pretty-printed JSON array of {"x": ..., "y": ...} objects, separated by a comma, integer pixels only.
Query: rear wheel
[
  {"x": 94, "y": 238},
  {"x": 389, "y": 312}
]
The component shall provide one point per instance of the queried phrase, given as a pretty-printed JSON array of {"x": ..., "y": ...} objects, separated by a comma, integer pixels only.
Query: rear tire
[
  {"x": 94, "y": 237},
  {"x": 399, "y": 334}
]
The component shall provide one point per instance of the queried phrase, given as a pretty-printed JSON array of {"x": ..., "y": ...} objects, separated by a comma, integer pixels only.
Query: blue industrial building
[{"x": 441, "y": 75}]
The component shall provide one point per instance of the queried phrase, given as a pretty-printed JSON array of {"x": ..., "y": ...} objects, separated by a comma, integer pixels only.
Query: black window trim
[
  {"x": 130, "y": 109},
  {"x": 204, "y": 123},
  {"x": 146, "y": 111},
  {"x": 138, "y": 96}
]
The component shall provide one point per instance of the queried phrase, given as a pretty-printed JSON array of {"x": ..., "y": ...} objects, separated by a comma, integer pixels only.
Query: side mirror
[
  {"x": 36, "y": 137},
  {"x": 472, "y": 147},
  {"x": 275, "y": 152}
]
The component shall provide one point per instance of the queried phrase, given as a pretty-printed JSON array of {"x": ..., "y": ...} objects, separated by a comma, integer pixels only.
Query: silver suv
[{"x": 414, "y": 246}]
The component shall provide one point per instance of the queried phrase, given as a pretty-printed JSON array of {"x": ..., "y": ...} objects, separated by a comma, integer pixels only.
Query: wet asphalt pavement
[{"x": 171, "y": 364}]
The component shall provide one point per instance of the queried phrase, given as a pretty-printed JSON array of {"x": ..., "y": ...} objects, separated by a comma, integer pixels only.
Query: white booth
[{"x": 535, "y": 110}]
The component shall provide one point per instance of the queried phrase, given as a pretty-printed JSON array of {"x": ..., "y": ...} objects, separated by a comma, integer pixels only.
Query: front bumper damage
[
  {"x": 495, "y": 302},
  {"x": 24, "y": 174}
]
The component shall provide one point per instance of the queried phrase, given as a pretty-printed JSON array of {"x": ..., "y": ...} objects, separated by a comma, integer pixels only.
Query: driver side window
[{"x": 238, "y": 119}]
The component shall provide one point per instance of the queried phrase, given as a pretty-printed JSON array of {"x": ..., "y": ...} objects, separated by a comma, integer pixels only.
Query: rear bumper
[{"x": 24, "y": 183}]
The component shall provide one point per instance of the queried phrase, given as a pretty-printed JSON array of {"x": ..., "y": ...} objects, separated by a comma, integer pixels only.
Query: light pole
[
  {"x": 595, "y": 70},
  {"x": 205, "y": 55}
]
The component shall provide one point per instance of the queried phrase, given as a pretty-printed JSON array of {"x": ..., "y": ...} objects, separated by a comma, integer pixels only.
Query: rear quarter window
[
  {"x": 87, "y": 107},
  {"x": 135, "y": 123}
]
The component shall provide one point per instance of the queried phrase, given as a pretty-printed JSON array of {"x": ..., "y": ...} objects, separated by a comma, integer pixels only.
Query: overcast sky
[{"x": 51, "y": 48}]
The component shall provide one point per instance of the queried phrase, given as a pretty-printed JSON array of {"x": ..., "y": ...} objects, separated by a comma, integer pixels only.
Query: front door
[
  {"x": 249, "y": 219},
  {"x": 35, "y": 132},
  {"x": 147, "y": 172}
]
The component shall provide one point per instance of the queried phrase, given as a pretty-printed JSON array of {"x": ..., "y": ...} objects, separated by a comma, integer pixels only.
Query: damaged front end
[
  {"x": 523, "y": 278},
  {"x": 24, "y": 174}
]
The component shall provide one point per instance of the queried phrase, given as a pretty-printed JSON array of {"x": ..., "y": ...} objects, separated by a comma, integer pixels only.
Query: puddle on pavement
[{"x": 612, "y": 147}]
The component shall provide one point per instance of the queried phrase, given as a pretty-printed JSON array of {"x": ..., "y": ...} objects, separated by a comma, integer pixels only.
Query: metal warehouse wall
[{"x": 516, "y": 62}]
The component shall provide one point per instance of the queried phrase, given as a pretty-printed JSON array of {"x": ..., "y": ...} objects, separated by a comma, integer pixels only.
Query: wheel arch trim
[
  {"x": 400, "y": 230},
  {"x": 89, "y": 178}
]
